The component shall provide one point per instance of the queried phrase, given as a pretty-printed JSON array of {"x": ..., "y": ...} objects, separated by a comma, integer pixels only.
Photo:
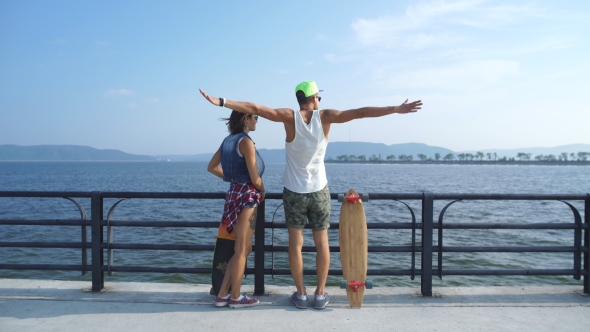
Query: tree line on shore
[{"x": 478, "y": 156}]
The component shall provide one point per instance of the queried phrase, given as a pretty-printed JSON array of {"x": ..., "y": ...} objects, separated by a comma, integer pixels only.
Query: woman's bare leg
[{"x": 244, "y": 229}]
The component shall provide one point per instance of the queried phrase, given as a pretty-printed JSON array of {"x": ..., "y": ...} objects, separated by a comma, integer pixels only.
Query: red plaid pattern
[{"x": 238, "y": 196}]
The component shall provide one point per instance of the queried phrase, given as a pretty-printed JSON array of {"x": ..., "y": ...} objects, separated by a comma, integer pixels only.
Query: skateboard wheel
[
  {"x": 340, "y": 198},
  {"x": 343, "y": 284},
  {"x": 369, "y": 284},
  {"x": 365, "y": 197}
]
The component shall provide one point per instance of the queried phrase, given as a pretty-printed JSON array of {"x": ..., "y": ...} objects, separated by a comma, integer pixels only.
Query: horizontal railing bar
[
  {"x": 511, "y": 249},
  {"x": 509, "y": 226},
  {"x": 387, "y": 196},
  {"x": 447, "y": 272},
  {"x": 267, "y": 271},
  {"x": 373, "y": 196},
  {"x": 74, "y": 245},
  {"x": 44, "y": 267},
  {"x": 114, "y": 268},
  {"x": 43, "y": 194},
  {"x": 149, "y": 246},
  {"x": 337, "y": 272},
  {"x": 270, "y": 248},
  {"x": 45, "y": 222},
  {"x": 335, "y": 225},
  {"x": 164, "y": 195},
  {"x": 161, "y": 223},
  {"x": 221, "y": 195},
  {"x": 282, "y": 225},
  {"x": 546, "y": 272},
  {"x": 196, "y": 247},
  {"x": 510, "y": 197}
]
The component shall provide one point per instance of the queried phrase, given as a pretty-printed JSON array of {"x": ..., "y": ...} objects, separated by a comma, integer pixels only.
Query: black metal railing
[{"x": 426, "y": 247}]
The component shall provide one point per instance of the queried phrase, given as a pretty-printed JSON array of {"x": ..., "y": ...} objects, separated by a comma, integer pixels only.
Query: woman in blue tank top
[{"x": 237, "y": 161}]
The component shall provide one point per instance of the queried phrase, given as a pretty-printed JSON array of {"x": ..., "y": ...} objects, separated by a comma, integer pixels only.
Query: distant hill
[
  {"x": 65, "y": 153},
  {"x": 336, "y": 149}
]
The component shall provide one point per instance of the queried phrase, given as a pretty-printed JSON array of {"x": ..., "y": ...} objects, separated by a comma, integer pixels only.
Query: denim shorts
[
  {"x": 251, "y": 205},
  {"x": 315, "y": 207}
]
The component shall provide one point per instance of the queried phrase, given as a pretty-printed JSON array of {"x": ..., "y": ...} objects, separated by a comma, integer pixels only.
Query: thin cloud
[
  {"x": 152, "y": 100},
  {"x": 120, "y": 92},
  {"x": 467, "y": 76},
  {"x": 132, "y": 105},
  {"x": 421, "y": 20}
]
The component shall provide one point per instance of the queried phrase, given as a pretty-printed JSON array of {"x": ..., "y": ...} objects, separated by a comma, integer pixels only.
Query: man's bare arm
[
  {"x": 336, "y": 116},
  {"x": 272, "y": 114}
]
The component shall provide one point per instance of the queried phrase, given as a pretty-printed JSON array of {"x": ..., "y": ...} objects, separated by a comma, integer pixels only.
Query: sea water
[{"x": 365, "y": 178}]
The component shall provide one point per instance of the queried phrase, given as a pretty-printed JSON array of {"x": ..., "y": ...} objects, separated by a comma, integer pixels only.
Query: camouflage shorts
[{"x": 314, "y": 207}]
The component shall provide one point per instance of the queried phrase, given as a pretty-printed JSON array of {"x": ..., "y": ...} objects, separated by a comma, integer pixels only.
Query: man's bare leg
[
  {"x": 295, "y": 258},
  {"x": 322, "y": 260}
]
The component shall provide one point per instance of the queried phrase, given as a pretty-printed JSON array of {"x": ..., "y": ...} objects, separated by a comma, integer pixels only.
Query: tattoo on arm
[{"x": 253, "y": 219}]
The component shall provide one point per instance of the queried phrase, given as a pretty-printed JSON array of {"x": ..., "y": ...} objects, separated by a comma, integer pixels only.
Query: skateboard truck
[
  {"x": 353, "y": 198},
  {"x": 355, "y": 285}
]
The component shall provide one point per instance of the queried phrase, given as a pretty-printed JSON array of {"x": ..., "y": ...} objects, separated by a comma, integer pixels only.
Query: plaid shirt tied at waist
[{"x": 238, "y": 196}]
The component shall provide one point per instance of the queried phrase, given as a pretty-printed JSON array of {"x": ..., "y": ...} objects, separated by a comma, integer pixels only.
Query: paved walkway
[{"x": 45, "y": 305}]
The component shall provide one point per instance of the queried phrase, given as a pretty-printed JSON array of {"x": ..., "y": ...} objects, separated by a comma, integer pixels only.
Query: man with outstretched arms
[{"x": 306, "y": 195}]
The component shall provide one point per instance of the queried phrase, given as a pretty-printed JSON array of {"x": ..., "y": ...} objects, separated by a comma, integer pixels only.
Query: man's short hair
[{"x": 302, "y": 99}]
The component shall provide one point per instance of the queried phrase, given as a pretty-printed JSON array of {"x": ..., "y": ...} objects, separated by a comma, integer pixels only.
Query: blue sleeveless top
[{"x": 233, "y": 165}]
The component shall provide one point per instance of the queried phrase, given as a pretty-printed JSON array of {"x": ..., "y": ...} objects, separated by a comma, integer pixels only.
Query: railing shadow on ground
[{"x": 101, "y": 246}]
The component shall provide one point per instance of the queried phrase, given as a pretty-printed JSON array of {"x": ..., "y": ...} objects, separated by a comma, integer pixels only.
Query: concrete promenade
[{"x": 47, "y": 305}]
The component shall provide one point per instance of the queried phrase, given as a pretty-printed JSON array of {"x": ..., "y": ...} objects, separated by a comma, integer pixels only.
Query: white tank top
[{"x": 305, "y": 171}]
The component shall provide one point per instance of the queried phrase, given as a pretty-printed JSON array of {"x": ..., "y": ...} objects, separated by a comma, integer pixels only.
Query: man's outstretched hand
[
  {"x": 407, "y": 108},
  {"x": 212, "y": 100}
]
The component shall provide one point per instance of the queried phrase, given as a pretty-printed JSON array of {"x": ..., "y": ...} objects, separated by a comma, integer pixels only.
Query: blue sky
[{"x": 125, "y": 74}]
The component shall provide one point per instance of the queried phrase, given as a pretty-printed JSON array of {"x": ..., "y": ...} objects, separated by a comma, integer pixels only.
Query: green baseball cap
[{"x": 309, "y": 88}]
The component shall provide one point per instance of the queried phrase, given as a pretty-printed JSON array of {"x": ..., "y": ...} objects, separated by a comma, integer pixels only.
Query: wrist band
[{"x": 221, "y": 102}]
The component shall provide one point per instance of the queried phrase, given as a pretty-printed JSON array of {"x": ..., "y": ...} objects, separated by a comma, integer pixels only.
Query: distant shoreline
[{"x": 478, "y": 163}]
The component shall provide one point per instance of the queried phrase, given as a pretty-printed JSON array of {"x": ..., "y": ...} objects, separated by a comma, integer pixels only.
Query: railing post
[
  {"x": 427, "y": 222},
  {"x": 96, "y": 210},
  {"x": 587, "y": 243},
  {"x": 259, "y": 251}
]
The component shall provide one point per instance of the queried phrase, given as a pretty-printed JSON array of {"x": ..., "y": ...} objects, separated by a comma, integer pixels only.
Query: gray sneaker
[
  {"x": 299, "y": 303},
  {"x": 321, "y": 301}
]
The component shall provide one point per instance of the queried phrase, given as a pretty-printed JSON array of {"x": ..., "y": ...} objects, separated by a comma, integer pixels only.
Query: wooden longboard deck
[
  {"x": 224, "y": 250},
  {"x": 353, "y": 247}
]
